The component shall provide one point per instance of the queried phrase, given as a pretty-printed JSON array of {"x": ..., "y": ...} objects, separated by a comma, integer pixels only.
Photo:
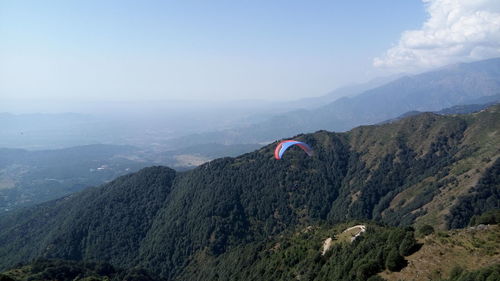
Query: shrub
[
  {"x": 426, "y": 230},
  {"x": 394, "y": 261}
]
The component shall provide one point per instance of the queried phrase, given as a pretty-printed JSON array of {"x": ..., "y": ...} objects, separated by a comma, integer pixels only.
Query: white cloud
[{"x": 455, "y": 31}]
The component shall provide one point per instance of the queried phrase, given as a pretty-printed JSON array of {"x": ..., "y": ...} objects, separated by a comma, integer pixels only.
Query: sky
[{"x": 139, "y": 51}]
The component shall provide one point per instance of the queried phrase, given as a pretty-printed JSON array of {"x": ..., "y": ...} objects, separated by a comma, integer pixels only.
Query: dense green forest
[
  {"x": 44, "y": 269},
  {"x": 399, "y": 174},
  {"x": 298, "y": 256}
]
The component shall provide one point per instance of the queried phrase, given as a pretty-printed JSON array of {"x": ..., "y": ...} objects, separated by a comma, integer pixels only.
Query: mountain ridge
[
  {"x": 388, "y": 173},
  {"x": 430, "y": 91}
]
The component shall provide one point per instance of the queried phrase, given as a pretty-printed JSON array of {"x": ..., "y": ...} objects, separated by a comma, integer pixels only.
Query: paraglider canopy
[{"x": 284, "y": 145}]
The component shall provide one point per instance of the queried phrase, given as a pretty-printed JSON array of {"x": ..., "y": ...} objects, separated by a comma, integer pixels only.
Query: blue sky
[{"x": 194, "y": 50}]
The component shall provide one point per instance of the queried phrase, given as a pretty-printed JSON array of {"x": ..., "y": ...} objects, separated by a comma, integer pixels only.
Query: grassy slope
[
  {"x": 485, "y": 136},
  {"x": 482, "y": 136},
  {"x": 468, "y": 249}
]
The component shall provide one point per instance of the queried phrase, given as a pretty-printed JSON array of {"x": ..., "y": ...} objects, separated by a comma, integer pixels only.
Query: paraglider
[{"x": 284, "y": 145}]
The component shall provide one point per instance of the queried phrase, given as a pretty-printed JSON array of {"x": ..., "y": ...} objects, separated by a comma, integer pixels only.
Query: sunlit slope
[
  {"x": 410, "y": 171},
  {"x": 444, "y": 252},
  {"x": 459, "y": 149}
]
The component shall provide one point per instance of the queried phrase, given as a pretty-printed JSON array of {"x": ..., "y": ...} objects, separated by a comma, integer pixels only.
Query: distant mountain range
[
  {"x": 345, "y": 91},
  {"x": 458, "y": 84},
  {"x": 457, "y": 109},
  {"x": 250, "y": 216}
]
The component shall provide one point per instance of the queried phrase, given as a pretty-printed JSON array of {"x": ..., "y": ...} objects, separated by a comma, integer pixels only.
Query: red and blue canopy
[{"x": 284, "y": 145}]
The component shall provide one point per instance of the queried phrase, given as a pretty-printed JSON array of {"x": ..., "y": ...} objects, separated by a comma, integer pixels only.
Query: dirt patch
[
  {"x": 327, "y": 244},
  {"x": 190, "y": 160}
]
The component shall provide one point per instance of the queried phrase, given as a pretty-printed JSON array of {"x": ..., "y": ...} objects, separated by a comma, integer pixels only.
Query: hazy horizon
[
  {"x": 154, "y": 70},
  {"x": 74, "y": 52},
  {"x": 68, "y": 53}
]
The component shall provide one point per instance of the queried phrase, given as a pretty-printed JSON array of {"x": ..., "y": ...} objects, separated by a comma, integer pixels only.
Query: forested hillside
[
  {"x": 416, "y": 171},
  {"x": 47, "y": 270}
]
